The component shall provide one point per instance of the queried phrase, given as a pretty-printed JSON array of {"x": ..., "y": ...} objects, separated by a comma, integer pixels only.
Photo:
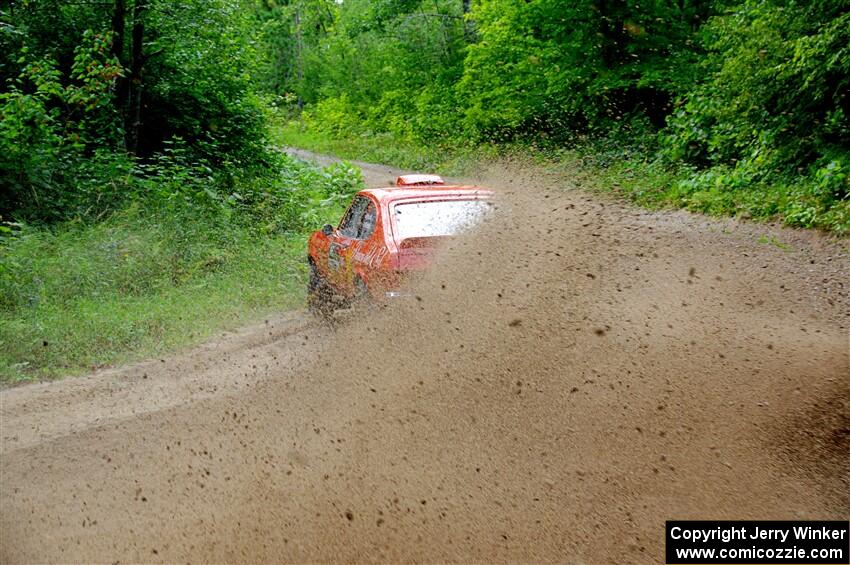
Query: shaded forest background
[
  {"x": 744, "y": 96},
  {"x": 732, "y": 107},
  {"x": 142, "y": 206},
  {"x": 145, "y": 201}
]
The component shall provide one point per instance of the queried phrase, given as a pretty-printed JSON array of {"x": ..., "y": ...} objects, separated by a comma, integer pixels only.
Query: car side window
[
  {"x": 350, "y": 224},
  {"x": 370, "y": 218}
]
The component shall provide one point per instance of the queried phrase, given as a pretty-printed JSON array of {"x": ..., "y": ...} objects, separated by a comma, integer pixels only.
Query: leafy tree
[
  {"x": 98, "y": 82},
  {"x": 551, "y": 67},
  {"x": 390, "y": 64},
  {"x": 777, "y": 92},
  {"x": 48, "y": 125}
]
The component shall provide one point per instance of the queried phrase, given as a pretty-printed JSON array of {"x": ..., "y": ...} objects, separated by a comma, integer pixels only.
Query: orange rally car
[{"x": 384, "y": 235}]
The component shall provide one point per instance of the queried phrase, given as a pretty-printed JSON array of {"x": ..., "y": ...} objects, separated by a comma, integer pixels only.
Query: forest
[
  {"x": 146, "y": 202},
  {"x": 722, "y": 107}
]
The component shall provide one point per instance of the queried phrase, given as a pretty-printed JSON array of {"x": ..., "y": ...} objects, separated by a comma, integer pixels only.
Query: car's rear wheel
[
  {"x": 361, "y": 292},
  {"x": 362, "y": 299},
  {"x": 319, "y": 295}
]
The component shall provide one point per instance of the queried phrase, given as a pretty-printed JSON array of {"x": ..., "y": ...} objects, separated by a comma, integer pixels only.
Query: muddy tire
[
  {"x": 362, "y": 300},
  {"x": 319, "y": 295},
  {"x": 361, "y": 292}
]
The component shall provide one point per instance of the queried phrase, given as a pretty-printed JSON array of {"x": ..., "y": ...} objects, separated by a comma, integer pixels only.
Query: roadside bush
[
  {"x": 778, "y": 82},
  {"x": 334, "y": 116},
  {"x": 823, "y": 201},
  {"x": 190, "y": 250},
  {"x": 42, "y": 147}
]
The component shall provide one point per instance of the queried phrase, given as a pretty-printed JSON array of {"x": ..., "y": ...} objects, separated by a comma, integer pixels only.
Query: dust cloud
[{"x": 564, "y": 380}]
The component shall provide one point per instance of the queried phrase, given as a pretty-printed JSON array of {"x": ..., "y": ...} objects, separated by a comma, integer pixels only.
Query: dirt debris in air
[{"x": 520, "y": 410}]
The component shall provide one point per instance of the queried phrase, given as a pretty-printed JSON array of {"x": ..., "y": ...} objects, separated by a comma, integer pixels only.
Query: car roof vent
[{"x": 419, "y": 180}]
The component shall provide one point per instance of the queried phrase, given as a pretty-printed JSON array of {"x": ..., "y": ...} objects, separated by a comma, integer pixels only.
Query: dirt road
[{"x": 565, "y": 381}]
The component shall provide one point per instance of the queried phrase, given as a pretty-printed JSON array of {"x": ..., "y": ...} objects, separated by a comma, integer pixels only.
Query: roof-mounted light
[{"x": 419, "y": 180}]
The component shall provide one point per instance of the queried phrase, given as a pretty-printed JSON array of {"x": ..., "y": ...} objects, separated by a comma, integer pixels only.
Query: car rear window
[{"x": 434, "y": 218}]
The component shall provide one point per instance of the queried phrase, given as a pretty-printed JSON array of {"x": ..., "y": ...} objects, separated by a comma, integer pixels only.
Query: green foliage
[
  {"x": 141, "y": 203},
  {"x": 746, "y": 100},
  {"x": 507, "y": 68},
  {"x": 199, "y": 85},
  {"x": 772, "y": 110},
  {"x": 189, "y": 255},
  {"x": 89, "y": 94},
  {"x": 334, "y": 116},
  {"x": 778, "y": 77},
  {"x": 132, "y": 287},
  {"x": 383, "y": 147},
  {"x": 29, "y": 137},
  {"x": 47, "y": 126},
  {"x": 333, "y": 188},
  {"x": 360, "y": 60},
  {"x": 79, "y": 110}
]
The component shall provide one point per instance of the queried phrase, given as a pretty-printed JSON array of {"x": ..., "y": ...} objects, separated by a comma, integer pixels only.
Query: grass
[
  {"x": 652, "y": 184},
  {"x": 93, "y": 296},
  {"x": 153, "y": 278}
]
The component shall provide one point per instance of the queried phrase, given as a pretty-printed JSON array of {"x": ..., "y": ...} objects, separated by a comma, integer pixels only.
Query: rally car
[{"x": 385, "y": 235}]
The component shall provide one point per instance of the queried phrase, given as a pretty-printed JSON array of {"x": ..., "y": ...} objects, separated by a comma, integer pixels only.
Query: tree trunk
[
  {"x": 133, "y": 119},
  {"x": 119, "y": 14},
  {"x": 468, "y": 24},
  {"x": 298, "y": 60}
]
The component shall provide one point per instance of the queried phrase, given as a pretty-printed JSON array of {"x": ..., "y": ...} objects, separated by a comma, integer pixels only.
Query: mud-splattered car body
[{"x": 387, "y": 233}]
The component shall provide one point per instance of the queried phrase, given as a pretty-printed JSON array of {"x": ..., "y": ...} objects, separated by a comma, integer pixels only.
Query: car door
[
  {"x": 341, "y": 246},
  {"x": 368, "y": 244}
]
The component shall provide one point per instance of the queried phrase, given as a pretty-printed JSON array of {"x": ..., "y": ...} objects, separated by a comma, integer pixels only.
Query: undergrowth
[{"x": 194, "y": 255}]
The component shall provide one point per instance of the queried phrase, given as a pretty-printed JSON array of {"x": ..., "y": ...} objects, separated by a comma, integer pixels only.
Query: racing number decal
[{"x": 376, "y": 257}]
